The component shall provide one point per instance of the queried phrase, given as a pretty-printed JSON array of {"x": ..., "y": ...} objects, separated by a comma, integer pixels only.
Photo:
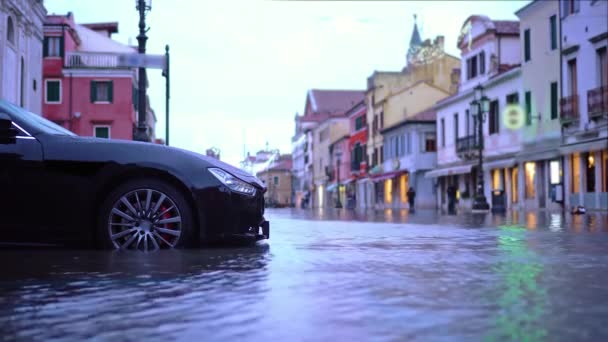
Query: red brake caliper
[{"x": 167, "y": 225}]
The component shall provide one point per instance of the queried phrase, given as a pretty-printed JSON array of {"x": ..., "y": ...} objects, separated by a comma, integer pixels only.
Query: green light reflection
[{"x": 522, "y": 302}]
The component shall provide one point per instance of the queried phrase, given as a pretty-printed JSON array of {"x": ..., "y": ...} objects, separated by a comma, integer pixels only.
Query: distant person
[
  {"x": 411, "y": 197},
  {"x": 451, "y": 199}
]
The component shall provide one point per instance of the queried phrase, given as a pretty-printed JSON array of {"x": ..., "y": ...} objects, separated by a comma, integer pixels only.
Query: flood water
[{"x": 329, "y": 276}]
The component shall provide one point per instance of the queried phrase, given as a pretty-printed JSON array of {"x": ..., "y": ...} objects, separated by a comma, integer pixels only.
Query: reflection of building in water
[{"x": 584, "y": 103}]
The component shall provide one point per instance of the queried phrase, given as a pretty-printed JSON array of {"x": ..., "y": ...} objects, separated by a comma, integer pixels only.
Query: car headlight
[{"x": 232, "y": 182}]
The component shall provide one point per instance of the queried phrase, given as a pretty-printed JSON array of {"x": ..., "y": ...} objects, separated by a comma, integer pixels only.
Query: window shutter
[
  {"x": 93, "y": 91},
  {"x": 110, "y": 91},
  {"x": 61, "y": 47},
  {"x": 45, "y": 47},
  {"x": 482, "y": 62},
  {"x": 527, "y": 45}
]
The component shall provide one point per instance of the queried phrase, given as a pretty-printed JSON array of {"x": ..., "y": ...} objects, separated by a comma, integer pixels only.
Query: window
[
  {"x": 590, "y": 176},
  {"x": 102, "y": 131},
  {"x": 513, "y": 98},
  {"x": 555, "y": 172},
  {"x": 359, "y": 123},
  {"x": 397, "y": 150},
  {"x": 455, "y": 127},
  {"x": 276, "y": 180},
  {"x": 553, "y": 31},
  {"x": 576, "y": 173},
  {"x": 494, "y": 117},
  {"x": 482, "y": 62},
  {"x": 554, "y": 100},
  {"x": 375, "y": 157},
  {"x": 10, "y": 31},
  {"x": 602, "y": 67},
  {"x": 528, "y": 99},
  {"x": 101, "y": 91},
  {"x": 408, "y": 142},
  {"x": 52, "y": 91},
  {"x": 381, "y": 154},
  {"x": 605, "y": 167},
  {"x": 381, "y": 120},
  {"x": 573, "y": 87},
  {"x": 375, "y": 125},
  {"x": 430, "y": 144},
  {"x": 527, "y": 45},
  {"x": 530, "y": 169},
  {"x": 52, "y": 47},
  {"x": 570, "y": 7},
  {"x": 496, "y": 181},
  {"x": 442, "y": 133},
  {"x": 514, "y": 182},
  {"x": 472, "y": 67},
  {"x": 388, "y": 191}
]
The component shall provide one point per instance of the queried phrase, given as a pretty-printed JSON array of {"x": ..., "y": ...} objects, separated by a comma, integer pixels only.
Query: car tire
[{"x": 145, "y": 214}]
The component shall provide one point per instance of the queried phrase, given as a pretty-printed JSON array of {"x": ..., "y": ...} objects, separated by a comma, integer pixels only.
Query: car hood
[{"x": 90, "y": 149}]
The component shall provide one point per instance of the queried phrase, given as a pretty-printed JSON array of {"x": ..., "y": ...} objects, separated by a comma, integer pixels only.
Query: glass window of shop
[
  {"x": 514, "y": 182},
  {"x": 530, "y": 169},
  {"x": 388, "y": 191},
  {"x": 576, "y": 173},
  {"x": 403, "y": 186},
  {"x": 590, "y": 172},
  {"x": 605, "y": 173}
]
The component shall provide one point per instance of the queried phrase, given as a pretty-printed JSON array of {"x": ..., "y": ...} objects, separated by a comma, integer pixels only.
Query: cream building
[
  {"x": 541, "y": 133},
  {"x": 21, "y": 52}
]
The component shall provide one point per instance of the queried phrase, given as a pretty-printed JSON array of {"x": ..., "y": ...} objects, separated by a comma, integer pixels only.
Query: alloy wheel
[{"x": 146, "y": 220}]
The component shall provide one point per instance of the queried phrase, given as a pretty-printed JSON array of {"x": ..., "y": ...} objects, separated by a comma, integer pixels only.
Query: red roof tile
[
  {"x": 334, "y": 101},
  {"x": 506, "y": 26}
]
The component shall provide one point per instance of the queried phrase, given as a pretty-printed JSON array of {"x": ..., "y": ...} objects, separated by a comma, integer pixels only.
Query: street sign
[{"x": 138, "y": 60}]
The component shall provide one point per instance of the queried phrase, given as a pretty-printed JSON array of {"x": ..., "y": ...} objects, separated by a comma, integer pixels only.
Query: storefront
[{"x": 586, "y": 175}]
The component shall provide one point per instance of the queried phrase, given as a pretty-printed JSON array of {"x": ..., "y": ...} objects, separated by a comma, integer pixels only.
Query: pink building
[{"x": 84, "y": 88}]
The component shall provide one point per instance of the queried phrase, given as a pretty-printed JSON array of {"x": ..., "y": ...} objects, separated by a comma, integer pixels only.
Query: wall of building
[
  {"x": 277, "y": 193},
  {"x": 410, "y": 101},
  {"x": 20, "y": 67}
]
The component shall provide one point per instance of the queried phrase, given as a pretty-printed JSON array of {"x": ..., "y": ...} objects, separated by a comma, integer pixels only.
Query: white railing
[{"x": 91, "y": 60}]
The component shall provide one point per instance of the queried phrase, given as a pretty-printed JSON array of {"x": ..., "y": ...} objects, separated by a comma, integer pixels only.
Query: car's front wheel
[{"x": 146, "y": 215}]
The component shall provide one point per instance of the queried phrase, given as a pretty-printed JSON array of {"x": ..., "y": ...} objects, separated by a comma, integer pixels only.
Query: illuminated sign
[{"x": 513, "y": 117}]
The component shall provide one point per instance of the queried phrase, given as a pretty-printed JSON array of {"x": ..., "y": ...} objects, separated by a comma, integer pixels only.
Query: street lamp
[
  {"x": 141, "y": 134},
  {"x": 338, "y": 156},
  {"x": 479, "y": 107}
]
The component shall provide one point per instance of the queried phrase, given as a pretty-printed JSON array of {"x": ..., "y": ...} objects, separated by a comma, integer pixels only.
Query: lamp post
[
  {"x": 479, "y": 107},
  {"x": 338, "y": 157},
  {"x": 141, "y": 134}
]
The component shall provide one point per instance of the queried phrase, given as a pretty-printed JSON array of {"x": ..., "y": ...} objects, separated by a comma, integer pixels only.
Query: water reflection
[{"x": 522, "y": 300}]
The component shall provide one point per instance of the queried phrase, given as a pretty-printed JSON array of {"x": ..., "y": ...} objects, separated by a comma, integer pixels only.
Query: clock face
[{"x": 424, "y": 55}]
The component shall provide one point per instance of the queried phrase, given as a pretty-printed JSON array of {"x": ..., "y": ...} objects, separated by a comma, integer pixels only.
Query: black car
[{"x": 59, "y": 188}]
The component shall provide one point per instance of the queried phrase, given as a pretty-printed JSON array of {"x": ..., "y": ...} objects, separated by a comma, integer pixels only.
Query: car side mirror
[{"x": 8, "y": 133}]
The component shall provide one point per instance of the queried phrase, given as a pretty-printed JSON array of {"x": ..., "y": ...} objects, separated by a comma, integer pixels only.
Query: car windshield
[{"x": 36, "y": 121}]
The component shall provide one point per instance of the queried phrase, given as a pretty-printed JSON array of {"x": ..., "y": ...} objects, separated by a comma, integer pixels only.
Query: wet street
[{"x": 329, "y": 276}]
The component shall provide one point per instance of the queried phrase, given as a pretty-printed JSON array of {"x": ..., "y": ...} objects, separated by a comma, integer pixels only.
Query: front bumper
[{"x": 224, "y": 214}]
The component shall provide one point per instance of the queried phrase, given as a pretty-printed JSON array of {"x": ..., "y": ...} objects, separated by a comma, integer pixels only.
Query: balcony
[
  {"x": 569, "y": 109},
  {"x": 84, "y": 60},
  {"x": 467, "y": 146},
  {"x": 597, "y": 102}
]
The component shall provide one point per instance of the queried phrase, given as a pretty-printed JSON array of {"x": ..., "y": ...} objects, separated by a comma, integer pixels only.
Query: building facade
[
  {"x": 84, "y": 88},
  {"x": 21, "y": 36},
  {"x": 395, "y": 97},
  {"x": 340, "y": 188},
  {"x": 541, "y": 132},
  {"x": 584, "y": 102},
  {"x": 490, "y": 58},
  {"x": 278, "y": 179},
  {"x": 323, "y": 122},
  {"x": 357, "y": 145},
  {"x": 409, "y": 151}
]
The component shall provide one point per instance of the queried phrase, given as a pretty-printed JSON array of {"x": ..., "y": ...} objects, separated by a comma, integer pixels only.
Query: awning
[
  {"x": 348, "y": 181},
  {"x": 387, "y": 175},
  {"x": 499, "y": 164},
  {"x": 535, "y": 156},
  {"x": 448, "y": 171},
  {"x": 331, "y": 187},
  {"x": 594, "y": 145}
]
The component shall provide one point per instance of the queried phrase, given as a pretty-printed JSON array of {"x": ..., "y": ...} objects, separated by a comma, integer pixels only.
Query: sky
[{"x": 240, "y": 70}]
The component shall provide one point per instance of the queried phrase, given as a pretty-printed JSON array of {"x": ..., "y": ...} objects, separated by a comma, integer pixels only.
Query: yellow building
[
  {"x": 392, "y": 97},
  {"x": 278, "y": 179}
]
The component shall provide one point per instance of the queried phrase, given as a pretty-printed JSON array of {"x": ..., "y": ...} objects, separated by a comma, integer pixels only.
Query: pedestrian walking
[
  {"x": 451, "y": 199},
  {"x": 411, "y": 197}
]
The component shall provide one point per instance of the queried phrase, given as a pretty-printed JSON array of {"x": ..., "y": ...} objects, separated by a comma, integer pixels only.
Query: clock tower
[{"x": 415, "y": 43}]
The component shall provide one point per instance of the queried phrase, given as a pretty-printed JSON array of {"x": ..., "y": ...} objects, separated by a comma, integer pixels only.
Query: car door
[{"x": 21, "y": 169}]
